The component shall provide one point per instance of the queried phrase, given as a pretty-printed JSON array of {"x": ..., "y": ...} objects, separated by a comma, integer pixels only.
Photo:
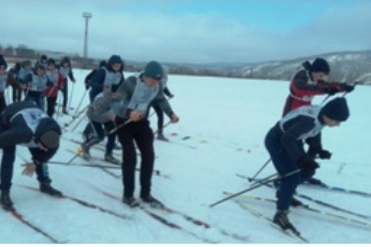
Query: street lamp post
[{"x": 87, "y": 16}]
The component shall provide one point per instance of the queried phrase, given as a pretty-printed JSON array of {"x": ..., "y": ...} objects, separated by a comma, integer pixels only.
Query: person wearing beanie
[
  {"x": 65, "y": 69},
  {"x": 23, "y": 123},
  {"x": 157, "y": 108},
  {"x": 107, "y": 78},
  {"x": 309, "y": 82},
  {"x": 284, "y": 143},
  {"x": 137, "y": 93}
]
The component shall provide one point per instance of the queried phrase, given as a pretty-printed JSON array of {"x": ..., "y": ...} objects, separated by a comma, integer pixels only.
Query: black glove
[
  {"x": 307, "y": 163},
  {"x": 331, "y": 90},
  {"x": 348, "y": 88},
  {"x": 87, "y": 86},
  {"x": 322, "y": 153}
]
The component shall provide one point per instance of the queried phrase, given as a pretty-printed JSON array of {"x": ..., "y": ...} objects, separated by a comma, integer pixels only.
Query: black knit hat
[
  {"x": 336, "y": 109},
  {"x": 320, "y": 65},
  {"x": 50, "y": 139},
  {"x": 154, "y": 70}
]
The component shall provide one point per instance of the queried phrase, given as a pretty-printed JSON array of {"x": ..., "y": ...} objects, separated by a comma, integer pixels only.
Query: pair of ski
[{"x": 166, "y": 210}]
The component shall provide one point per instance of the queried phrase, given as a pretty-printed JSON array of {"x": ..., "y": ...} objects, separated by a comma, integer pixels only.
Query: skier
[
  {"x": 56, "y": 82},
  {"x": 87, "y": 80},
  {"x": 21, "y": 70},
  {"x": 108, "y": 78},
  {"x": 42, "y": 61},
  {"x": 23, "y": 123},
  {"x": 284, "y": 143},
  {"x": 66, "y": 70},
  {"x": 157, "y": 108},
  {"x": 138, "y": 94},
  {"x": 307, "y": 83},
  {"x": 37, "y": 83},
  {"x": 101, "y": 122}
]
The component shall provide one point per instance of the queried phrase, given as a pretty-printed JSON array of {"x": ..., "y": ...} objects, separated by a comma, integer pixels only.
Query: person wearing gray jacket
[{"x": 134, "y": 128}]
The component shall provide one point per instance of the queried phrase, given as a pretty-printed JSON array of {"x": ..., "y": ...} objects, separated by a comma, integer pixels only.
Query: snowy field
[{"x": 221, "y": 131}]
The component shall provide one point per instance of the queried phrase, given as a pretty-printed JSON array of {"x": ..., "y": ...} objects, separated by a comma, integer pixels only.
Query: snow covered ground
[{"x": 226, "y": 121}]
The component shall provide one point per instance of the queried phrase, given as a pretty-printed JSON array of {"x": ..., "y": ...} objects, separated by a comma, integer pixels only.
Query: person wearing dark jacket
[
  {"x": 42, "y": 61},
  {"x": 23, "y": 123},
  {"x": 90, "y": 75},
  {"x": 309, "y": 82},
  {"x": 107, "y": 78},
  {"x": 284, "y": 144},
  {"x": 66, "y": 71},
  {"x": 138, "y": 92}
]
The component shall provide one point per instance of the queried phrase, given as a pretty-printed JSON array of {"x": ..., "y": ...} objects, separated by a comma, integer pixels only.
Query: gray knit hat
[
  {"x": 50, "y": 139},
  {"x": 154, "y": 70}
]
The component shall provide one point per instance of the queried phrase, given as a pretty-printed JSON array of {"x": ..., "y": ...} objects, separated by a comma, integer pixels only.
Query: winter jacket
[
  {"x": 56, "y": 78},
  {"x": 139, "y": 97},
  {"x": 23, "y": 123},
  {"x": 303, "y": 89}
]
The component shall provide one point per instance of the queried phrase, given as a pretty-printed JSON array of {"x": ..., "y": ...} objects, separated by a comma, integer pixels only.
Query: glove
[
  {"x": 307, "y": 164},
  {"x": 331, "y": 90},
  {"x": 87, "y": 86},
  {"x": 348, "y": 88},
  {"x": 324, "y": 154}
]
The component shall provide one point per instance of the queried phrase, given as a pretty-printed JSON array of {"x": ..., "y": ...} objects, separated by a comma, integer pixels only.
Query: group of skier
[
  {"x": 302, "y": 124},
  {"x": 117, "y": 107}
]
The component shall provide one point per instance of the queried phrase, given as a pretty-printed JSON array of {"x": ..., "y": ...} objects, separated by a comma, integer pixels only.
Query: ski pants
[
  {"x": 94, "y": 133},
  {"x": 284, "y": 165},
  {"x": 7, "y": 164},
  {"x": 160, "y": 117},
  {"x": 50, "y": 105},
  {"x": 65, "y": 94},
  {"x": 139, "y": 133}
]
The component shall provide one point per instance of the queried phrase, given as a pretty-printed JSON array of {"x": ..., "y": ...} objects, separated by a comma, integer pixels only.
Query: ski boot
[
  {"x": 46, "y": 188},
  {"x": 160, "y": 136},
  {"x": 153, "y": 202},
  {"x": 5, "y": 200},
  {"x": 130, "y": 201},
  {"x": 110, "y": 159}
]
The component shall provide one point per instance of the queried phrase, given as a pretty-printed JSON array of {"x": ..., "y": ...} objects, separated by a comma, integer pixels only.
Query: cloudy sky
[{"x": 190, "y": 31}]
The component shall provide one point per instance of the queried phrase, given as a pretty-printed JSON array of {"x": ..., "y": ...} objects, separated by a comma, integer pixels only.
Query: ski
[
  {"x": 158, "y": 217},
  {"x": 87, "y": 204},
  {"x": 292, "y": 233},
  {"x": 313, "y": 210},
  {"x": 338, "y": 189},
  {"x": 325, "y": 204},
  {"x": 37, "y": 229}
]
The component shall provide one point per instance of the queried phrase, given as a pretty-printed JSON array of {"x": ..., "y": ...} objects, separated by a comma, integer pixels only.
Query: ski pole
[
  {"x": 261, "y": 169},
  {"x": 78, "y": 123},
  {"x": 255, "y": 187},
  {"x": 118, "y": 127},
  {"x": 79, "y": 105},
  {"x": 163, "y": 127},
  {"x": 70, "y": 100},
  {"x": 76, "y": 117}
]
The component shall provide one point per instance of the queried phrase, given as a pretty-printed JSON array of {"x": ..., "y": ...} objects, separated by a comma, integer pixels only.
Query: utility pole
[{"x": 87, "y": 16}]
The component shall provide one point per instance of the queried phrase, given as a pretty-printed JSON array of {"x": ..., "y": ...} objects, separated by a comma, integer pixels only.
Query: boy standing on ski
[
  {"x": 138, "y": 93},
  {"x": 284, "y": 143},
  {"x": 66, "y": 70},
  {"x": 24, "y": 123},
  {"x": 56, "y": 83}
]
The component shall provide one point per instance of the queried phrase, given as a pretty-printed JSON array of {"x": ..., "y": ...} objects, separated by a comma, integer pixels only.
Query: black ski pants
[{"x": 139, "y": 133}]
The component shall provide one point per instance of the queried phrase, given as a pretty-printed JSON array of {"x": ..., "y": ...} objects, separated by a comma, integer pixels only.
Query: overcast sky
[{"x": 190, "y": 31}]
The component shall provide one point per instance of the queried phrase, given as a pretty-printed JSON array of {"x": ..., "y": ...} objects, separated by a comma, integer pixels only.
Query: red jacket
[
  {"x": 53, "y": 91},
  {"x": 303, "y": 89}
]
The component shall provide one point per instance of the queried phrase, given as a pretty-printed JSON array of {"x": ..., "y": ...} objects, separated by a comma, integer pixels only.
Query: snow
[{"x": 226, "y": 120}]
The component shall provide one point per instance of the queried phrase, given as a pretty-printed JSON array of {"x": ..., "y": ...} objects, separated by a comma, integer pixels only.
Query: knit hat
[
  {"x": 320, "y": 65},
  {"x": 154, "y": 70},
  {"x": 337, "y": 109},
  {"x": 50, "y": 139}
]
